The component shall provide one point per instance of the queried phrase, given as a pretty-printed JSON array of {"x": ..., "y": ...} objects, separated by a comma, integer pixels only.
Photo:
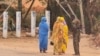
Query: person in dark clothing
[{"x": 76, "y": 34}]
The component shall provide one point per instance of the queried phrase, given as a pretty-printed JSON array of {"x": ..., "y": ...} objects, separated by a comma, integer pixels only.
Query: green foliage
[
  {"x": 11, "y": 10},
  {"x": 12, "y": 13},
  {"x": 11, "y": 24}
]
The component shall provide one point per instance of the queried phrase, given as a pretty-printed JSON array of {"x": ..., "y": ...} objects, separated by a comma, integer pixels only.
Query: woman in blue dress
[{"x": 43, "y": 35}]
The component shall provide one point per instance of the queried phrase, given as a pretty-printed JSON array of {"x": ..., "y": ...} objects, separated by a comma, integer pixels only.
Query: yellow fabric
[
  {"x": 61, "y": 19},
  {"x": 60, "y": 35},
  {"x": 65, "y": 34}
]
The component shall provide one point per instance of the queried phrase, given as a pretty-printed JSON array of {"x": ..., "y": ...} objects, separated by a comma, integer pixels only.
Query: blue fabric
[{"x": 43, "y": 34}]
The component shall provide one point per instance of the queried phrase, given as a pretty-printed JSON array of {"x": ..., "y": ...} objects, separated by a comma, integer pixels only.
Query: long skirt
[{"x": 43, "y": 41}]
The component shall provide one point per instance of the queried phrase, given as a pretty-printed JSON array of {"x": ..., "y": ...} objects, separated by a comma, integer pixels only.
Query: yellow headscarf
[
  {"x": 57, "y": 20},
  {"x": 60, "y": 19}
]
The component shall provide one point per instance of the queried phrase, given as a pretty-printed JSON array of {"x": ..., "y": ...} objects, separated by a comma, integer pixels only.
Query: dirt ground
[{"x": 28, "y": 46}]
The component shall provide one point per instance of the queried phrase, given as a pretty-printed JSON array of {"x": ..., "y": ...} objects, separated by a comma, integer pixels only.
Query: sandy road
[{"x": 28, "y": 46}]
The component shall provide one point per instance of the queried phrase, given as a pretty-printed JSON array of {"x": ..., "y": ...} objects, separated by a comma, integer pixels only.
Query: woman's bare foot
[
  {"x": 53, "y": 53},
  {"x": 59, "y": 53},
  {"x": 40, "y": 51},
  {"x": 44, "y": 51},
  {"x": 63, "y": 52}
]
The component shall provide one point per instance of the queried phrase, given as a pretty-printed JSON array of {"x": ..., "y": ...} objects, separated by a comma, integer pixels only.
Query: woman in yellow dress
[{"x": 60, "y": 36}]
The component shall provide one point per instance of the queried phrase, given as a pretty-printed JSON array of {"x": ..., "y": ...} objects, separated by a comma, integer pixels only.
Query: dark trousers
[{"x": 76, "y": 40}]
